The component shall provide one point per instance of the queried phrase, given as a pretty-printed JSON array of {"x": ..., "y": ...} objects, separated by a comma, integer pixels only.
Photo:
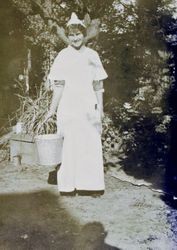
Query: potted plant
[{"x": 38, "y": 141}]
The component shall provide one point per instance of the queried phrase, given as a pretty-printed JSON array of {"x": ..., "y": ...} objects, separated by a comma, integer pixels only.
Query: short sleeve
[
  {"x": 100, "y": 73},
  {"x": 57, "y": 70}
]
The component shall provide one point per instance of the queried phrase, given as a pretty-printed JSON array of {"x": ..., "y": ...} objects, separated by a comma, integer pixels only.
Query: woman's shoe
[
  {"x": 93, "y": 194},
  {"x": 71, "y": 194}
]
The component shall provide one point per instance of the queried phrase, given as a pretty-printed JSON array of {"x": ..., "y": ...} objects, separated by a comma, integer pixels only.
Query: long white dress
[{"x": 78, "y": 119}]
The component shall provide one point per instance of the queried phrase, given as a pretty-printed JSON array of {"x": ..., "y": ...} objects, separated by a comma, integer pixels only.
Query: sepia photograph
[{"x": 88, "y": 124}]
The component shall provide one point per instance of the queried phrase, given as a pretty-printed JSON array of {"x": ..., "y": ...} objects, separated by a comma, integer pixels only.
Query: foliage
[
  {"x": 144, "y": 134},
  {"x": 112, "y": 142},
  {"x": 32, "y": 112}
]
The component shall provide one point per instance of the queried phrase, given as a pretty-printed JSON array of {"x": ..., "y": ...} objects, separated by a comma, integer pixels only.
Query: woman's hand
[{"x": 102, "y": 114}]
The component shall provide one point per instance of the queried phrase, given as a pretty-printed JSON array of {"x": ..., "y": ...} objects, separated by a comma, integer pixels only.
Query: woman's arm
[
  {"x": 98, "y": 88},
  {"x": 57, "y": 94}
]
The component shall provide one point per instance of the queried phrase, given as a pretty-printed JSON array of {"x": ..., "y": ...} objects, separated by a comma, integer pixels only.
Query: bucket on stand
[{"x": 49, "y": 148}]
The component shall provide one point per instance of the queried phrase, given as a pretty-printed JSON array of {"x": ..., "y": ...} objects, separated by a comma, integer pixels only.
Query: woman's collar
[{"x": 80, "y": 50}]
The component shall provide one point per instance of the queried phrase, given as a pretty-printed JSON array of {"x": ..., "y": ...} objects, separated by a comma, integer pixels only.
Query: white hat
[{"x": 75, "y": 20}]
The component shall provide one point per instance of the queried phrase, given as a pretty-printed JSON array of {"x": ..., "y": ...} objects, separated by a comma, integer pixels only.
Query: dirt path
[{"x": 34, "y": 216}]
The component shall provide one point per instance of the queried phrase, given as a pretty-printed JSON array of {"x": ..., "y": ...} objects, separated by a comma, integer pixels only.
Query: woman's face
[{"x": 76, "y": 38}]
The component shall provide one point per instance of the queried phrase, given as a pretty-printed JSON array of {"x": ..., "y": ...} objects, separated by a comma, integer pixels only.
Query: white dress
[{"x": 78, "y": 119}]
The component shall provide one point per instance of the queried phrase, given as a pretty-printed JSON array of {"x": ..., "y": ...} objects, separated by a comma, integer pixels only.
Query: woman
[{"x": 77, "y": 75}]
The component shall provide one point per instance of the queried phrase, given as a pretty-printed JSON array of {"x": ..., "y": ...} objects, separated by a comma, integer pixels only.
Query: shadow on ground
[{"x": 39, "y": 221}]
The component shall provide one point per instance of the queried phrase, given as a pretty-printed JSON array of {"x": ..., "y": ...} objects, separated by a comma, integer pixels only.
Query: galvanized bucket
[{"x": 49, "y": 148}]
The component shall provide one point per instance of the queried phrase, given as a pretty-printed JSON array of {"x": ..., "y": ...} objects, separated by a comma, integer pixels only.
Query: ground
[{"x": 34, "y": 216}]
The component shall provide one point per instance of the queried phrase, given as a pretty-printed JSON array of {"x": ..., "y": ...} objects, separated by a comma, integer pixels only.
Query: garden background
[{"x": 137, "y": 44}]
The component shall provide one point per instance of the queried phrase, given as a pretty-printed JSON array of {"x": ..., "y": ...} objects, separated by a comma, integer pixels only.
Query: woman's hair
[{"x": 75, "y": 27}]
